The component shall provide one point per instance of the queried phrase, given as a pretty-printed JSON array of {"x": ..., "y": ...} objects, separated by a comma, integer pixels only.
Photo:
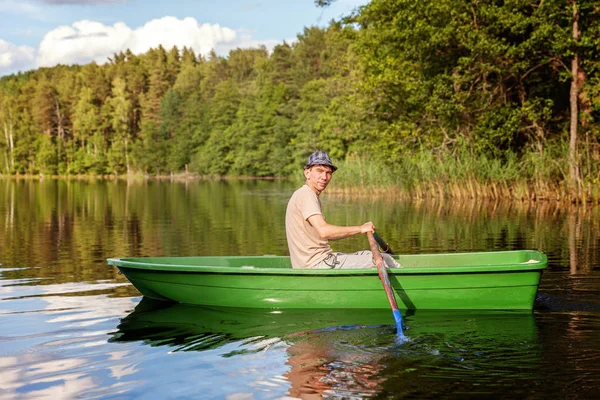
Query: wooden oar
[{"x": 385, "y": 280}]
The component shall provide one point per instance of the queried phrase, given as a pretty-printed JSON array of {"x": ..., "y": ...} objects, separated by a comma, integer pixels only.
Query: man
[{"x": 308, "y": 233}]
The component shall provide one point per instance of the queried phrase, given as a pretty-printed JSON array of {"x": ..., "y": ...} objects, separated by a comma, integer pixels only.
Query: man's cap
[{"x": 320, "y": 158}]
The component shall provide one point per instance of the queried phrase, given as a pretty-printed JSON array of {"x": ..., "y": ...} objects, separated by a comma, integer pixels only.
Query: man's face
[{"x": 318, "y": 177}]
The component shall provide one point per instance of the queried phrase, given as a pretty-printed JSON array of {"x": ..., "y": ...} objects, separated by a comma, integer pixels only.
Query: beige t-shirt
[{"x": 306, "y": 247}]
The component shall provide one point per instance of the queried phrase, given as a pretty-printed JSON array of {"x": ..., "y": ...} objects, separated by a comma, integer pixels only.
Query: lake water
[{"x": 72, "y": 327}]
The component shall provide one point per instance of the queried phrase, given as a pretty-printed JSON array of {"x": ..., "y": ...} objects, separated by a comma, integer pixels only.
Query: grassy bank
[{"x": 462, "y": 176}]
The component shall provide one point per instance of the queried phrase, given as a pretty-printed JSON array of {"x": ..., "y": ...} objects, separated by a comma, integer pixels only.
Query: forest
[{"x": 467, "y": 99}]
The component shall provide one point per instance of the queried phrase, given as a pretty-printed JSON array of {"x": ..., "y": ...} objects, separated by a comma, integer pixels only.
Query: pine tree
[{"x": 120, "y": 109}]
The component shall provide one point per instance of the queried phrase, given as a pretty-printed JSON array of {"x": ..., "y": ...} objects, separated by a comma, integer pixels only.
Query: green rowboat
[{"x": 504, "y": 280}]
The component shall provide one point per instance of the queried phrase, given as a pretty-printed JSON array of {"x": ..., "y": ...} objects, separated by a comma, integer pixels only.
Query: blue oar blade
[{"x": 399, "y": 324}]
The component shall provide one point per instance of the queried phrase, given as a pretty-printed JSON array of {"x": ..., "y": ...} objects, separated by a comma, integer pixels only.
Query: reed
[{"x": 462, "y": 175}]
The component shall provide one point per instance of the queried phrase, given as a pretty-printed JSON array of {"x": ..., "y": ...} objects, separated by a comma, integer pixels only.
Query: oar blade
[{"x": 399, "y": 325}]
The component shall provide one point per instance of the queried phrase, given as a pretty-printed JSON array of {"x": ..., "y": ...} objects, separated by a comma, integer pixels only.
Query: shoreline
[
  {"x": 520, "y": 191},
  {"x": 185, "y": 176}
]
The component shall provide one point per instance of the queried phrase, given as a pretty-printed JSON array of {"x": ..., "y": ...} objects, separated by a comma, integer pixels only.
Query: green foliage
[
  {"x": 86, "y": 118},
  {"x": 213, "y": 156},
  {"x": 46, "y": 155},
  {"x": 119, "y": 110},
  {"x": 261, "y": 134}
]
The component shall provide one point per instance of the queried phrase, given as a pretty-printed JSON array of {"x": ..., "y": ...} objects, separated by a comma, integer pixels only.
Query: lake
[{"x": 72, "y": 327}]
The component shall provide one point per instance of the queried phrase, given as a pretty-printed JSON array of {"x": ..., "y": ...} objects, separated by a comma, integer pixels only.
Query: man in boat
[{"x": 307, "y": 231}]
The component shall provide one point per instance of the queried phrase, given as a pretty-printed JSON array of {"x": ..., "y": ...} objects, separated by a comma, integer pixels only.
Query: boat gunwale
[{"x": 539, "y": 265}]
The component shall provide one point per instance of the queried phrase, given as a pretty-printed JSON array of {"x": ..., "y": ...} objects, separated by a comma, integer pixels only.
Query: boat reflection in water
[{"x": 341, "y": 352}]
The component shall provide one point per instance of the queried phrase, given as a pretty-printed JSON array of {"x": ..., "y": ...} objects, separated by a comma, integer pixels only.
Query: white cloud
[
  {"x": 83, "y": 42},
  {"x": 14, "y": 57},
  {"x": 87, "y": 41}
]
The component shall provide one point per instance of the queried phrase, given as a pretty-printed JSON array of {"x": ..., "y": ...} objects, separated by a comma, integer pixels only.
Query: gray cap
[{"x": 320, "y": 158}]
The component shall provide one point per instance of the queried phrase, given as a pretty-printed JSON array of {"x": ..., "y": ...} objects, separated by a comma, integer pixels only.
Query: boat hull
[{"x": 468, "y": 281}]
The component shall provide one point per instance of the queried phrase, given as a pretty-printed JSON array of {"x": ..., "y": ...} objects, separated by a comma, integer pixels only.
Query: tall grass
[{"x": 464, "y": 175}]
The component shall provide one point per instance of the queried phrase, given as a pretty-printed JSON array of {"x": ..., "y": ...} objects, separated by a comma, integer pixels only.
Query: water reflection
[
  {"x": 339, "y": 352},
  {"x": 53, "y": 345},
  {"x": 186, "y": 327},
  {"x": 60, "y": 304}
]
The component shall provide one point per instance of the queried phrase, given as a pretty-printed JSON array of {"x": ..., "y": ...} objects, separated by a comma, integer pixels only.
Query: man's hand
[{"x": 367, "y": 227}]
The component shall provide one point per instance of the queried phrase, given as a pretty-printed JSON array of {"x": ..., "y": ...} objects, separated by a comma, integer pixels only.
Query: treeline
[
  {"x": 435, "y": 93},
  {"x": 250, "y": 113}
]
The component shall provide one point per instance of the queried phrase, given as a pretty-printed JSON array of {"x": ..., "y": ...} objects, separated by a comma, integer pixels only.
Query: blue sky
[{"x": 39, "y": 33}]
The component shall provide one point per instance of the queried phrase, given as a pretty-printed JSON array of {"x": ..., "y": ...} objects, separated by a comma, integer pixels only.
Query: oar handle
[
  {"x": 383, "y": 244},
  {"x": 385, "y": 280}
]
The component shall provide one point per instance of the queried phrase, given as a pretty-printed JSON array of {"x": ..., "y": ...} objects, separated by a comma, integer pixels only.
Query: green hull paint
[{"x": 505, "y": 280}]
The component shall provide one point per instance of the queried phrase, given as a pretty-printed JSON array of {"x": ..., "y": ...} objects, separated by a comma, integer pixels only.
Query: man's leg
[
  {"x": 390, "y": 261},
  {"x": 362, "y": 259}
]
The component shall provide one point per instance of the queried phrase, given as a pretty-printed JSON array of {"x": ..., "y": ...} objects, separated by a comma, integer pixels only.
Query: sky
[{"x": 44, "y": 33}]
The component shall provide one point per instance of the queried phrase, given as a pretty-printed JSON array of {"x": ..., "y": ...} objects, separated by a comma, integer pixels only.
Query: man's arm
[{"x": 334, "y": 232}]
